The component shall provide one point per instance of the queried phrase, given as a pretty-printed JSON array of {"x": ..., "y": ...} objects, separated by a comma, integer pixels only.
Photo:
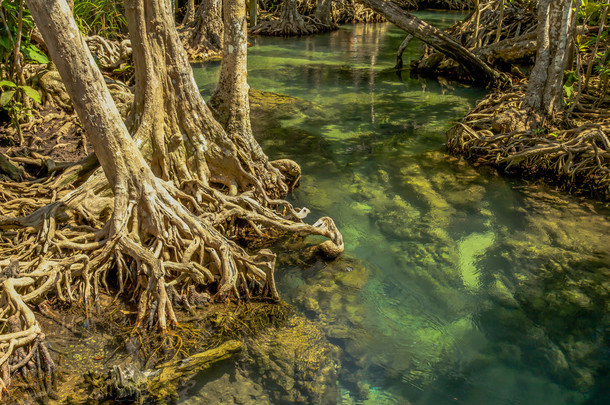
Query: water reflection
[{"x": 456, "y": 285}]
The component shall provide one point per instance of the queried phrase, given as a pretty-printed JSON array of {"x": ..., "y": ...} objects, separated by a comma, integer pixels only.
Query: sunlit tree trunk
[
  {"x": 189, "y": 15},
  {"x": 230, "y": 99},
  {"x": 169, "y": 230},
  {"x": 556, "y": 24},
  {"x": 206, "y": 29}
]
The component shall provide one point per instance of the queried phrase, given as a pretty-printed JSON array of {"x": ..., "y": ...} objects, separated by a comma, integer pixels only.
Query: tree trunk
[
  {"x": 436, "y": 38},
  {"x": 205, "y": 32},
  {"x": 140, "y": 199},
  {"x": 231, "y": 104},
  {"x": 253, "y": 6},
  {"x": 169, "y": 112},
  {"x": 102, "y": 122},
  {"x": 289, "y": 23},
  {"x": 230, "y": 98},
  {"x": 189, "y": 15},
  {"x": 557, "y": 21},
  {"x": 163, "y": 232},
  {"x": 511, "y": 50},
  {"x": 290, "y": 13},
  {"x": 324, "y": 12}
]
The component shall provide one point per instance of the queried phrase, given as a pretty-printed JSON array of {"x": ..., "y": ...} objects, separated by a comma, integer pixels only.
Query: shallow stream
[{"x": 457, "y": 285}]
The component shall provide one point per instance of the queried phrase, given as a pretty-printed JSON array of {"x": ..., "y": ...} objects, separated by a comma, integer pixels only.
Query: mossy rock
[
  {"x": 265, "y": 105},
  {"x": 296, "y": 363}
]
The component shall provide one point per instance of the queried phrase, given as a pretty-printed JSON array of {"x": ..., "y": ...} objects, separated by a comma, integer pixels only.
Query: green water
[{"x": 457, "y": 285}]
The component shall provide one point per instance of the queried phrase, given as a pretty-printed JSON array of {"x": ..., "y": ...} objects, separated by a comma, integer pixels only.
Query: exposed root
[
  {"x": 497, "y": 132},
  {"x": 291, "y": 23},
  {"x": 570, "y": 148},
  {"x": 22, "y": 337},
  {"x": 496, "y": 22},
  {"x": 161, "y": 249},
  {"x": 285, "y": 28},
  {"x": 110, "y": 54},
  {"x": 352, "y": 11}
]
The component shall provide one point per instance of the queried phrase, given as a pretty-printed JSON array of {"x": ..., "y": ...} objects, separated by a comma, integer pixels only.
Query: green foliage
[
  {"x": 100, "y": 17},
  {"x": 570, "y": 78},
  {"x": 7, "y": 96},
  {"x": 17, "y": 25},
  {"x": 33, "y": 54},
  {"x": 12, "y": 99},
  {"x": 602, "y": 60},
  {"x": 30, "y": 52},
  {"x": 591, "y": 11}
]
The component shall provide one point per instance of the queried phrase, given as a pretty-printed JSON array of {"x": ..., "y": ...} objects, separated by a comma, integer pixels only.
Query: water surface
[{"x": 457, "y": 285}]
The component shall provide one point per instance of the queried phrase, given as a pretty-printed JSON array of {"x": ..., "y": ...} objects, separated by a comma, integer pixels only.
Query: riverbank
[
  {"x": 457, "y": 283},
  {"x": 572, "y": 154}
]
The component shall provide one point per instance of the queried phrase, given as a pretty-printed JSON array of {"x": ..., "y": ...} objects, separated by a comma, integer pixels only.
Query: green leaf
[
  {"x": 32, "y": 53},
  {"x": 6, "y": 97},
  {"x": 7, "y": 83},
  {"x": 122, "y": 69},
  {"x": 32, "y": 93},
  {"x": 5, "y": 42},
  {"x": 569, "y": 90}
]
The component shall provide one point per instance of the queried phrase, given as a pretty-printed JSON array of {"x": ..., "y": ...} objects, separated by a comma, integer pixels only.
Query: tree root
[
  {"x": 24, "y": 339},
  {"x": 498, "y": 133},
  {"x": 285, "y": 28},
  {"x": 110, "y": 54},
  {"x": 351, "y": 11},
  {"x": 167, "y": 248}
]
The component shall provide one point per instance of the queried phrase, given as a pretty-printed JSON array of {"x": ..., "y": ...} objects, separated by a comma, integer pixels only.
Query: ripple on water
[{"x": 463, "y": 289}]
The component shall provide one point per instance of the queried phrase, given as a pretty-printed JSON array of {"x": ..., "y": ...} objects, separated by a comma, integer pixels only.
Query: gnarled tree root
[
  {"x": 498, "y": 133},
  {"x": 284, "y": 28},
  {"x": 162, "y": 248}
]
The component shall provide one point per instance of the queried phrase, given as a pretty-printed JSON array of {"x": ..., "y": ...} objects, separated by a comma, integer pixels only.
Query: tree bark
[
  {"x": 92, "y": 102},
  {"x": 324, "y": 12},
  {"x": 189, "y": 15},
  {"x": 171, "y": 234},
  {"x": 290, "y": 13},
  {"x": 187, "y": 142},
  {"x": 230, "y": 98},
  {"x": 290, "y": 23},
  {"x": 169, "y": 114},
  {"x": 205, "y": 32},
  {"x": 557, "y": 21},
  {"x": 436, "y": 38}
]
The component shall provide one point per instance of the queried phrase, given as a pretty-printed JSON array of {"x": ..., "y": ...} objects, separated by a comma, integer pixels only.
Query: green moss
[{"x": 469, "y": 249}]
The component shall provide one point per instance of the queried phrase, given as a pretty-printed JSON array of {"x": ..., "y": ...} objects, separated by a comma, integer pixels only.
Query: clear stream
[{"x": 457, "y": 285}]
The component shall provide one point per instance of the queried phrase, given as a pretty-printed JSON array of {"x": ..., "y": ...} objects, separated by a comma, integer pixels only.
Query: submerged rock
[
  {"x": 296, "y": 363},
  {"x": 230, "y": 387}
]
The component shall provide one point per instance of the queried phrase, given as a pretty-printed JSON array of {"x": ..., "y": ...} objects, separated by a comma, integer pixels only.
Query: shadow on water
[{"x": 457, "y": 286}]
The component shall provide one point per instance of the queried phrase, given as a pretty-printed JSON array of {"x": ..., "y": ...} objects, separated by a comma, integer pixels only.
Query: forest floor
[{"x": 57, "y": 136}]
